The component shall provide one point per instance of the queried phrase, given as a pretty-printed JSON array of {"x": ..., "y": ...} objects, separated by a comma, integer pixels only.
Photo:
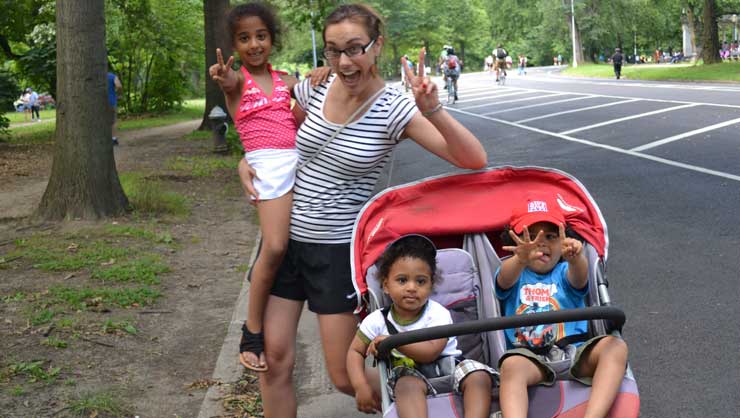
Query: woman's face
[{"x": 355, "y": 72}]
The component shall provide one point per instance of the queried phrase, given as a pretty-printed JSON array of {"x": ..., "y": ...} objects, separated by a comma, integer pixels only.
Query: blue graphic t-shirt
[{"x": 534, "y": 293}]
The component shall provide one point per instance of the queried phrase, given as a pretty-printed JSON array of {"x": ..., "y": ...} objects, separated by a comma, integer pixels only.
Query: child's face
[
  {"x": 549, "y": 245},
  {"x": 409, "y": 284},
  {"x": 252, "y": 41}
]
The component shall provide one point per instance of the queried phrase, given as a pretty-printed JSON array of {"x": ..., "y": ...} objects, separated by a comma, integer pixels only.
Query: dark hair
[
  {"x": 260, "y": 10},
  {"x": 412, "y": 246},
  {"x": 359, "y": 13}
]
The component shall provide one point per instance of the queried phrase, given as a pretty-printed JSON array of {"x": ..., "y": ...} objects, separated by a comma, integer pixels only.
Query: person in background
[
  {"x": 617, "y": 60},
  {"x": 33, "y": 103},
  {"x": 114, "y": 86}
]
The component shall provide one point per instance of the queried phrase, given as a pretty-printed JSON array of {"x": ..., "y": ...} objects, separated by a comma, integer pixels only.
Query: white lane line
[
  {"x": 541, "y": 104},
  {"x": 517, "y": 100},
  {"x": 489, "y": 103},
  {"x": 565, "y": 112},
  {"x": 606, "y": 147},
  {"x": 685, "y": 135},
  {"x": 634, "y": 84},
  {"x": 483, "y": 94},
  {"x": 641, "y": 115}
]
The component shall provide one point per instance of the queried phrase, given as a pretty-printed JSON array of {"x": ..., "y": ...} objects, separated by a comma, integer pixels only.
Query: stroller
[{"x": 464, "y": 214}]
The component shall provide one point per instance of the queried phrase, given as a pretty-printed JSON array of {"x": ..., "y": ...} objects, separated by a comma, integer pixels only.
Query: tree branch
[{"x": 6, "y": 48}]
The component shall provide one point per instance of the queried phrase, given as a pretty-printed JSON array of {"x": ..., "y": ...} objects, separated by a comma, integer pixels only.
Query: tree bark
[
  {"x": 710, "y": 35},
  {"x": 216, "y": 36},
  {"x": 84, "y": 182}
]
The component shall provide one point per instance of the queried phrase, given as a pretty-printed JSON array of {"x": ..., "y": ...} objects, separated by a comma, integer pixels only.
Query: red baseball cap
[{"x": 538, "y": 207}]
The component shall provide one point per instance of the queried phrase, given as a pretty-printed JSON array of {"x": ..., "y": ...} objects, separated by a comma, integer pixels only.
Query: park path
[{"x": 22, "y": 188}]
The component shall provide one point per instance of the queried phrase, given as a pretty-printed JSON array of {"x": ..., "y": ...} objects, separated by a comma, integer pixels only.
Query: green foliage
[
  {"x": 34, "y": 371},
  {"x": 83, "y": 298},
  {"x": 148, "y": 197},
  {"x": 144, "y": 270},
  {"x": 202, "y": 166},
  {"x": 99, "y": 404},
  {"x": 114, "y": 327},
  {"x": 8, "y": 88},
  {"x": 54, "y": 342},
  {"x": 710, "y": 72}
]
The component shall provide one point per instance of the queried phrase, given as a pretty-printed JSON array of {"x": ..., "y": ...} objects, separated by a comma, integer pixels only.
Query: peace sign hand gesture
[
  {"x": 223, "y": 74},
  {"x": 525, "y": 249},
  {"x": 425, "y": 92},
  {"x": 571, "y": 248}
]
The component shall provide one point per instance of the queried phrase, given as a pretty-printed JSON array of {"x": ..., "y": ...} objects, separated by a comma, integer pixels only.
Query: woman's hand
[
  {"x": 425, "y": 92},
  {"x": 223, "y": 74},
  {"x": 247, "y": 174},
  {"x": 319, "y": 75}
]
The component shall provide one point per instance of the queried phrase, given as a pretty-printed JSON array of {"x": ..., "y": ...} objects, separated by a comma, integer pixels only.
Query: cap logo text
[{"x": 536, "y": 206}]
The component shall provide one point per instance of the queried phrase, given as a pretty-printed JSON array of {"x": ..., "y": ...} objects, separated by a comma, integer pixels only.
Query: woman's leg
[
  {"x": 517, "y": 373},
  {"x": 606, "y": 362},
  {"x": 337, "y": 331},
  {"x": 276, "y": 384},
  {"x": 275, "y": 223},
  {"x": 411, "y": 397}
]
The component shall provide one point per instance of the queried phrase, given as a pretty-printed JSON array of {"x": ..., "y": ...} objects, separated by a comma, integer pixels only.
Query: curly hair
[
  {"x": 260, "y": 10},
  {"x": 412, "y": 246}
]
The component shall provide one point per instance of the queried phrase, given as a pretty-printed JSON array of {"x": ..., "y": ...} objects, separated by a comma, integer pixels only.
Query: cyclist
[
  {"x": 500, "y": 54},
  {"x": 452, "y": 67}
]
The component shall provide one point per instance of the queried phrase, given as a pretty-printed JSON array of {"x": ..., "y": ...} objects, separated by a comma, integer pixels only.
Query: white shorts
[{"x": 275, "y": 171}]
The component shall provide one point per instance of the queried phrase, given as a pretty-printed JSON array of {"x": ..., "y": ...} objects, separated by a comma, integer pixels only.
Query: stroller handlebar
[{"x": 615, "y": 315}]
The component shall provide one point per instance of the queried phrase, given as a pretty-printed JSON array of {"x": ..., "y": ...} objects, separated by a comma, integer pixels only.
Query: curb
[{"x": 227, "y": 367}]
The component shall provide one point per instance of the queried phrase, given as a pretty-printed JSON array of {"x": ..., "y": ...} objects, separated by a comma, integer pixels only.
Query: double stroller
[{"x": 464, "y": 215}]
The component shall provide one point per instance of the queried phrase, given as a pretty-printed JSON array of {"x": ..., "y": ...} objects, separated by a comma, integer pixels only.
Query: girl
[
  {"x": 333, "y": 186},
  {"x": 258, "y": 100},
  {"x": 407, "y": 269}
]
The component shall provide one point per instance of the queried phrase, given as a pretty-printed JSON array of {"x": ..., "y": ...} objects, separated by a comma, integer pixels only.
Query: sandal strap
[{"x": 251, "y": 342}]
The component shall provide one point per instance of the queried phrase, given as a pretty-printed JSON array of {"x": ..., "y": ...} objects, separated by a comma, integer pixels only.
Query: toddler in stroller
[{"x": 407, "y": 273}]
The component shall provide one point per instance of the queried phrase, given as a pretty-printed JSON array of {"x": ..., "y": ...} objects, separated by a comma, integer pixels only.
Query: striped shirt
[{"x": 330, "y": 191}]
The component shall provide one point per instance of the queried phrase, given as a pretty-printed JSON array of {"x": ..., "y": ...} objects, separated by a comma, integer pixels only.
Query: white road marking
[
  {"x": 641, "y": 115},
  {"x": 635, "y": 84},
  {"x": 541, "y": 104},
  {"x": 518, "y": 93},
  {"x": 606, "y": 147},
  {"x": 685, "y": 135},
  {"x": 565, "y": 112},
  {"x": 516, "y": 100}
]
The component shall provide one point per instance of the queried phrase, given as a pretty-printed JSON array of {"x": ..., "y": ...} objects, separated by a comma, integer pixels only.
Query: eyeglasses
[{"x": 332, "y": 54}]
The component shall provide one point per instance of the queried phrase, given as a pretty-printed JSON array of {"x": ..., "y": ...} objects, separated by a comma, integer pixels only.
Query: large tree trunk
[
  {"x": 578, "y": 53},
  {"x": 84, "y": 182},
  {"x": 691, "y": 20},
  {"x": 217, "y": 36},
  {"x": 710, "y": 35}
]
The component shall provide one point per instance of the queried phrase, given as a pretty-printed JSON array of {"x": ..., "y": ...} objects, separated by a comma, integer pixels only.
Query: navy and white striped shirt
[{"x": 330, "y": 191}]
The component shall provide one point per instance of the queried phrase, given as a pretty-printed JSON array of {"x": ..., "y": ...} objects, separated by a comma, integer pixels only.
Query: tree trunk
[
  {"x": 578, "y": 53},
  {"x": 691, "y": 20},
  {"x": 216, "y": 36},
  {"x": 84, "y": 182},
  {"x": 710, "y": 35}
]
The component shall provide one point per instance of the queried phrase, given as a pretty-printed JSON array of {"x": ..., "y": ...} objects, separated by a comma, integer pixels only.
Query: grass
[
  {"x": 44, "y": 132},
  {"x": 99, "y": 404},
  {"x": 148, "y": 196},
  {"x": 18, "y": 117},
  {"x": 85, "y": 298},
  {"x": 728, "y": 71},
  {"x": 202, "y": 166},
  {"x": 113, "y": 327},
  {"x": 33, "y": 371}
]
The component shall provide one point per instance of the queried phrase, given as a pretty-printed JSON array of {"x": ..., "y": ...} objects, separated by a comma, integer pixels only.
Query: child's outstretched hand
[
  {"x": 571, "y": 248},
  {"x": 525, "y": 249},
  {"x": 222, "y": 73}
]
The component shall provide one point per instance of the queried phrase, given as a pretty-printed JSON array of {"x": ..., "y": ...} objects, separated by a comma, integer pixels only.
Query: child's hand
[
  {"x": 571, "y": 248},
  {"x": 425, "y": 92},
  {"x": 222, "y": 73},
  {"x": 372, "y": 349},
  {"x": 367, "y": 402},
  {"x": 247, "y": 174},
  {"x": 525, "y": 249},
  {"x": 319, "y": 75}
]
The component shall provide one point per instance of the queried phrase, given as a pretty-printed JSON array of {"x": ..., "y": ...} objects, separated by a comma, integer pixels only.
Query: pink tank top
[{"x": 265, "y": 122}]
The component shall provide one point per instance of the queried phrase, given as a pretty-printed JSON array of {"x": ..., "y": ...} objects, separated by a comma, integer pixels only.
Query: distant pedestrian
[
  {"x": 114, "y": 86},
  {"x": 617, "y": 61},
  {"x": 522, "y": 64},
  {"x": 560, "y": 59},
  {"x": 33, "y": 103}
]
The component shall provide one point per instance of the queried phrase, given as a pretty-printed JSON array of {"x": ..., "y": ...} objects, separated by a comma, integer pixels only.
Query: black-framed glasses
[{"x": 332, "y": 54}]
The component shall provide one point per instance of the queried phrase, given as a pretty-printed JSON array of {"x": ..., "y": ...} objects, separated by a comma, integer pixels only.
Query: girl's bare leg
[
  {"x": 275, "y": 223},
  {"x": 517, "y": 373},
  {"x": 606, "y": 362},
  {"x": 411, "y": 397},
  {"x": 337, "y": 331},
  {"x": 276, "y": 384}
]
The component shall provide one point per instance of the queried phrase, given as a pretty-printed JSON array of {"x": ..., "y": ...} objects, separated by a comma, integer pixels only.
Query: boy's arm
[
  {"x": 424, "y": 351},
  {"x": 576, "y": 258},
  {"x": 525, "y": 250},
  {"x": 358, "y": 379}
]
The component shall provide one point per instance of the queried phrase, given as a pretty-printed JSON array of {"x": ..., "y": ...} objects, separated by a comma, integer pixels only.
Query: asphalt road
[{"x": 662, "y": 160}]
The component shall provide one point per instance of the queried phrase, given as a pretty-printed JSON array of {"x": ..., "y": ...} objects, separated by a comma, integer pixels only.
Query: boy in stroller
[
  {"x": 407, "y": 269},
  {"x": 534, "y": 279}
]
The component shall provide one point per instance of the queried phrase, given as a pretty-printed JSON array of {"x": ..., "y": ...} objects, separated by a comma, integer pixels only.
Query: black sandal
[{"x": 253, "y": 343}]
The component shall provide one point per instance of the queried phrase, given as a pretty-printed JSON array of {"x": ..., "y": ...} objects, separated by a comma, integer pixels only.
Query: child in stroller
[
  {"x": 407, "y": 271},
  {"x": 534, "y": 279}
]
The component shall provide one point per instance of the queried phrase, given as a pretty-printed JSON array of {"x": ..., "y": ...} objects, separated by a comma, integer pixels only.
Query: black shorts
[{"x": 319, "y": 273}]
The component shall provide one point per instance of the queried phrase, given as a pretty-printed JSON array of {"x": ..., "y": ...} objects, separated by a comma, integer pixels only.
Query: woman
[{"x": 333, "y": 186}]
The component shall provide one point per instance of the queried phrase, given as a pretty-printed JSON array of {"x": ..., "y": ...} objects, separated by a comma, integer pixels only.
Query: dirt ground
[{"x": 163, "y": 369}]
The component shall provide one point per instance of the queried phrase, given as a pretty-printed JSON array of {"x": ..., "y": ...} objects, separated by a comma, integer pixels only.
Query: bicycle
[
  {"x": 451, "y": 91},
  {"x": 502, "y": 77}
]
